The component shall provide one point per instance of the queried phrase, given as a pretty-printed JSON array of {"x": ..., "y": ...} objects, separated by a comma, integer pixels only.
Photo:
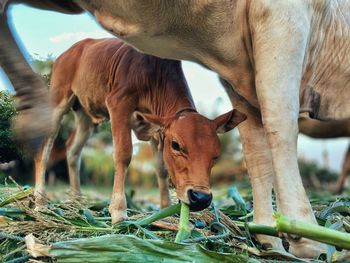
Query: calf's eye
[{"x": 175, "y": 146}]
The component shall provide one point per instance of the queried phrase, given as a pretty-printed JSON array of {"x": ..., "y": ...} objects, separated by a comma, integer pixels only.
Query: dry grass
[{"x": 219, "y": 231}]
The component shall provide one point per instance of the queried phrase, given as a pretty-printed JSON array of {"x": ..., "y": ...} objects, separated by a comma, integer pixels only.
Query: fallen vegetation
[{"x": 80, "y": 230}]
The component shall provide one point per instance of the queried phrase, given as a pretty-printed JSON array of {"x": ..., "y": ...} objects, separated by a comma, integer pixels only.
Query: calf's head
[{"x": 190, "y": 147}]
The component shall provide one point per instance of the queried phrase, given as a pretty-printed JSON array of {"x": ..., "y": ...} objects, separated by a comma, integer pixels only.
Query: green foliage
[
  {"x": 98, "y": 167},
  {"x": 8, "y": 149},
  {"x": 104, "y": 133},
  {"x": 74, "y": 231},
  {"x": 309, "y": 169},
  {"x": 43, "y": 66}
]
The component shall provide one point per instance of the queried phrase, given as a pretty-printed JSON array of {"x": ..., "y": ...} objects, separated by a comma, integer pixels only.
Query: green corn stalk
[
  {"x": 184, "y": 230},
  {"x": 312, "y": 231},
  {"x": 262, "y": 229},
  {"x": 257, "y": 228},
  {"x": 168, "y": 211},
  {"x": 17, "y": 196}
]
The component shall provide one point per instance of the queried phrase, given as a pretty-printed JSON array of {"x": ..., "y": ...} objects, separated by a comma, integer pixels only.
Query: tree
[
  {"x": 43, "y": 66},
  {"x": 8, "y": 148}
]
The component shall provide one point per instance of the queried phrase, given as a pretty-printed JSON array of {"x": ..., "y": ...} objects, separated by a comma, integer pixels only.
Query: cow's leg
[
  {"x": 339, "y": 186},
  {"x": 43, "y": 155},
  {"x": 257, "y": 157},
  {"x": 32, "y": 96},
  {"x": 120, "y": 109},
  {"x": 162, "y": 173},
  {"x": 84, "y": 128},
  {"x": 278, "y": 63}
]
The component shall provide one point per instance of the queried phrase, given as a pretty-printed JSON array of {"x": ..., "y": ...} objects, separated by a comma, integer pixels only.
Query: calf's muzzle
[{"x": 199, "y": 200}]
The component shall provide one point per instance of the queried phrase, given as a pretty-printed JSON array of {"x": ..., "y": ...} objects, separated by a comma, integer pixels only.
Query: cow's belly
[
  {"x": 331, "y": 83},
  {"x": 327, "y": 67},
  {"x": 334, "y": 98}
]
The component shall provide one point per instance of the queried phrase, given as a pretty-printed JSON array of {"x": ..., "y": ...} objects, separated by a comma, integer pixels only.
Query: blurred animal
[
  {"x": 107, "y": 80},
  {"x": 32, "y": 96},
  {"x": 329, "y": 130},
  {"x": 281, "y": 58}
]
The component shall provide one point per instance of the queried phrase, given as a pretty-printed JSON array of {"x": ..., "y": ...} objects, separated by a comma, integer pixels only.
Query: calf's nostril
[{"x": 199, "y": 200}]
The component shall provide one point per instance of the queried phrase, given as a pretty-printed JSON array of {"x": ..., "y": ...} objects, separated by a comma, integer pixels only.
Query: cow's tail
[{"x": 32, "y": 98}]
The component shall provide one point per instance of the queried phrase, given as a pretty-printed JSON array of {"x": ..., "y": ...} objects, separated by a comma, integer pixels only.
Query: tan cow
[
  {"x": 272, "y": 52},
  {"x": 319, "y": 130},
  {"x": 108, "y": 80}
]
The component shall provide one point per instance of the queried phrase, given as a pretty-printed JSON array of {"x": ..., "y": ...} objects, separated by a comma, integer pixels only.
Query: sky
[{"x": 44, "y": 33}]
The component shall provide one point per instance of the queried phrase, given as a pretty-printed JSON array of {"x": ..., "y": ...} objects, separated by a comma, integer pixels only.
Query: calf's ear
[
  {"x": 145, "y": 125},
  {"x": 228, "y": 121}
]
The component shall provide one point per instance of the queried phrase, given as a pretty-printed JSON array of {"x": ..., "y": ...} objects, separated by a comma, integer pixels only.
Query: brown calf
[{"x": 108, "y": 80}]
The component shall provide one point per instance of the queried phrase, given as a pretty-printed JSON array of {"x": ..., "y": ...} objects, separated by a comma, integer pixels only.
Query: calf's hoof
[
  {"x": 40, "y": 199},
  {"x": 40, "y": 205},
  {"x": 306, "y": 248},
  {"x": 117, "y": 208},
  {"x": 118, "y": 216}
]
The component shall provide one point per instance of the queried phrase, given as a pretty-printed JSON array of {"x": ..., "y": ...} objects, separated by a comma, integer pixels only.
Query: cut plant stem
[
  {"x": 17, "y": 196},
  {"x": 311, "y": 231},
  {"x": 169, "y": 211},
  {"x": 184, "y": 229},
  {"x": 262, "y": 229},
  {"x": 257, "y": 228}
]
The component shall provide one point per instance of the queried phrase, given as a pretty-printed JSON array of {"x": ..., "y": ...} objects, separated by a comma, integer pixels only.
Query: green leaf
[
  {"x": 338, "y": 207},
  {"x": 122, "y": 248},
  {"x": 237, "y": 198},
  {"x": 232, "y": 211}
]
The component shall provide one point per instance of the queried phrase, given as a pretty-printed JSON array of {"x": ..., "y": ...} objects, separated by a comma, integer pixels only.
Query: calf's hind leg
[
  {"x": 84, "y": 128},
  {"x": 43, "y": 154},
  {"x": 162, "y": 173}
]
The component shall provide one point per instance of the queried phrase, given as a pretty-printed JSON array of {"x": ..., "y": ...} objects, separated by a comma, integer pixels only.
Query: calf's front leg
[
  {"x": 278, "y": 62},
  {"x": 120, "y": 111},
  {"x": 84, "y": 129}
]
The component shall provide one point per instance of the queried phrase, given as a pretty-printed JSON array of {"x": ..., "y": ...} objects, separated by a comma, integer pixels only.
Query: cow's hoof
[
  {"x": 306, "y": 248},
  {"x": 118, "y": 216},
  {"x": 268, "y": 242}
]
